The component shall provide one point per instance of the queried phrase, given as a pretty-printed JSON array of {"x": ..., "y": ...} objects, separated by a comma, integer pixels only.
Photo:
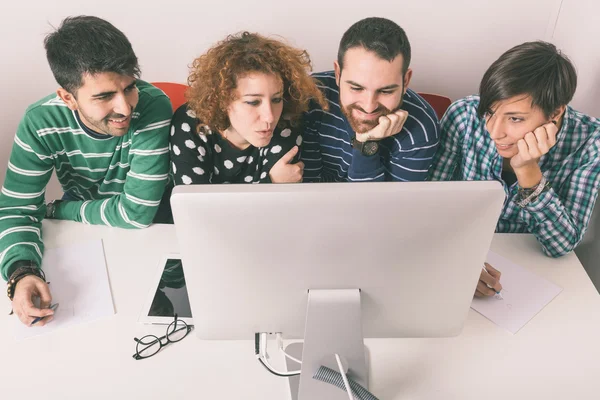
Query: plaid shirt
[{"x": 559, "y": 217}]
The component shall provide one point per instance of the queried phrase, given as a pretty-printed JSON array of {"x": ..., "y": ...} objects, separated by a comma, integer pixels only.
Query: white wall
[
  {"x": 577, "y": 33},
  {"x": 453, "y": 42}
]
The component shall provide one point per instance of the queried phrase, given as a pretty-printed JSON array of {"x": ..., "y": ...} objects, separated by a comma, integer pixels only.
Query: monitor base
[{"x": 333, "y": 325}]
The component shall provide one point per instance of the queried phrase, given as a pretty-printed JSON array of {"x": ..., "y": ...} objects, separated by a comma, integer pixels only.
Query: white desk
[{"x": 555, "y": 356}]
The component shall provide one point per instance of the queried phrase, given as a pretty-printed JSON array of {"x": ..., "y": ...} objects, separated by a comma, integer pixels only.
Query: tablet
[{"x": 167, "y": 295}]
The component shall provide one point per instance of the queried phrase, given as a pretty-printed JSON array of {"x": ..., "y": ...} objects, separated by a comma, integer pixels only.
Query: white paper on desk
[
  {"x": 78, "y": 282},
  {"x": 525, "y": 294}
]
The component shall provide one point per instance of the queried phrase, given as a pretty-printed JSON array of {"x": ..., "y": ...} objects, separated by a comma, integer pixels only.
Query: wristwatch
[
  {"x": 368, "y": 148},
  {"x": 51, "y": 208}
]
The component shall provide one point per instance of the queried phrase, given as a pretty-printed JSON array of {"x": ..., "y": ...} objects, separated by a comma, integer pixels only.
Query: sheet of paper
[
  {"x": 525, "y": 294},
  {"x": 78, "y": 282}
]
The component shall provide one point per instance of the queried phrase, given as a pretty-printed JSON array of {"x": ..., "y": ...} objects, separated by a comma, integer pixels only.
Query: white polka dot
[
  {"x": 204, "y": 138},
  {"x": 241, "y": 159},
  {"x": 228, "y": 164},
  {"x": 198, "y": 171},
  {"x": 191, "y": 113},
  {"x": 185, "y": 127},
  {"x": 248, "y": 179},
  {"x": 216, "y": 171},
  {"x": 172, "y": 130},
  {"x": 266, "y": 151},
  {"x": 286, "y": 133},
  {"x": 299, "y": 140},
  {"x": 202, "y": 151},
  {"x": 250, "y": 159},
  {"x": 200, "y": 158},
  {"x": 176, "y": 150},
  {"x": 186, "y": 179},
  {"x": 217, "y": 148},
  {"x": 276, "y": 149},
  {"x": 174, "y": 168},
  {"x": 260, "y": 152},
  {"x": 265, "y": 161},
  {"x": 190, "y": 144},
  {"x": 263, "y": 175},
  {"x": 257, "y": 167},
  {"x": 170, "y": 147}
]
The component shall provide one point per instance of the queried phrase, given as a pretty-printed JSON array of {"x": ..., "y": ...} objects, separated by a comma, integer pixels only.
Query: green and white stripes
[{"x": 117, "y": 181}]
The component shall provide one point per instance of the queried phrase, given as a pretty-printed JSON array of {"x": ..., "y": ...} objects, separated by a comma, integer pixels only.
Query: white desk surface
[{"x": 555, "y": 356}]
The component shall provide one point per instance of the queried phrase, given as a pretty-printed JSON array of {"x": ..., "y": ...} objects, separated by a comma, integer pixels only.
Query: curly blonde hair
[{"x": 213, "y": 77}]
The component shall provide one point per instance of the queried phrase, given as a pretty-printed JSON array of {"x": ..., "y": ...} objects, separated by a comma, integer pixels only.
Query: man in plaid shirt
[{"x": 521, "y": 132}]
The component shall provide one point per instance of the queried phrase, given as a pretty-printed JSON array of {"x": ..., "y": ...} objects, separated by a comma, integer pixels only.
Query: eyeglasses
[{"x": 149, "y": 345}]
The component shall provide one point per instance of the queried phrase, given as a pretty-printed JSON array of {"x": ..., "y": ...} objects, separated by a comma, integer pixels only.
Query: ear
[
  {"x": 558, "y": 113},
  {"x": 338, "y": 72},
  {"x": 68, "y": 98},
  {"x": 407, "y": 78}
]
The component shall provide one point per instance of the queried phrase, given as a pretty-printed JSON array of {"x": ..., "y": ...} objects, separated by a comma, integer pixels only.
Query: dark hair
[
  {"x": 379, "y": 35},
  {"x": 537, "y": 69},
  {"x": 88, "y": 45}
]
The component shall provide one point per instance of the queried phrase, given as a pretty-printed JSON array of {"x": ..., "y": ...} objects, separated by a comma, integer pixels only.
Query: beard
[
  {"x": 365, "y": 125},
  {"x": 103, "y": 126}
]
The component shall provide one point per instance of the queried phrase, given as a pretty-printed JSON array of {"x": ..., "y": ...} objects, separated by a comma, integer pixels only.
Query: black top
[
  {"x": 509, "y": 177},
  {"x": 89, "y": 131},
  {"x": 204, "y": 156}
]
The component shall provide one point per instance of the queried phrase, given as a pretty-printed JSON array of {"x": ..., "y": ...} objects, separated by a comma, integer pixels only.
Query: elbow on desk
[
  {"x": 556, "y": 252},
  {"x": 138, "y": 220},
  {"x": 560, "y": 245}
]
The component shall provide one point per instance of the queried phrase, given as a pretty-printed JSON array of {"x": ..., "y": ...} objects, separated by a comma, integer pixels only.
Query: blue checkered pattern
[{"x": 558, "y": 217}]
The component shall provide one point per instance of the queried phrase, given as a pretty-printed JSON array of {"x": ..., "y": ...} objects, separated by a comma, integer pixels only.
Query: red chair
[
  {"x": 439, "y": 103},
  {"x": 175, "y": 92}
]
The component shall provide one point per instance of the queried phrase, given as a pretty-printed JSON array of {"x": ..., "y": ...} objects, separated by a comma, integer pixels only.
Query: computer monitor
[{"x": 253, "y": 255}]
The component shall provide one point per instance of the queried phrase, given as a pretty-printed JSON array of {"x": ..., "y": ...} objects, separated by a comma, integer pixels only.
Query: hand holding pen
[
  {"x": 53, "y": 307},
  {"x": 23, "y": 306},
  {"x": 489, "y": 282}
]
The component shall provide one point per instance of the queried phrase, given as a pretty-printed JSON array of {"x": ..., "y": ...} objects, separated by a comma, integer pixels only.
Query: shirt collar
[{"x": 89, "y": 131}]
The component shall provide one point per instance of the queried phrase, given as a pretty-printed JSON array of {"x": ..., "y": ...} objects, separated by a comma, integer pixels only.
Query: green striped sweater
[{"x": 118, "y": 181}]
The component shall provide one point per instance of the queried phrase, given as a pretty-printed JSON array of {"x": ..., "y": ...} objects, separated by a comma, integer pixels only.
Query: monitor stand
[{"x": 333, "y": 325}]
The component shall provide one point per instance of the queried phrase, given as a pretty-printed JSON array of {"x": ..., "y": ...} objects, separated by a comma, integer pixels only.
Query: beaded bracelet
[{"x": 20, "y": 273}]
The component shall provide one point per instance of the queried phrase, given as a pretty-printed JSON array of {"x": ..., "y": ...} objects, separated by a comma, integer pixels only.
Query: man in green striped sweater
[{"x": 104, "y": 132}]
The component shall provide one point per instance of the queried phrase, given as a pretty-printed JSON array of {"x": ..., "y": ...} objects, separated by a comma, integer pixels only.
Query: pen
[
  {"x": 53, "y": 307},
  {"x": 498, "y": 295}
]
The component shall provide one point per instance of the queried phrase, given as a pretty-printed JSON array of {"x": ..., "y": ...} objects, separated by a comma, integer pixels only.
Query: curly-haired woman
[{"x": 246, "y": 95}]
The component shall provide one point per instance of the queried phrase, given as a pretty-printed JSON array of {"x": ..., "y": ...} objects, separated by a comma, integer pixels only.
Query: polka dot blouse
[{"x": 206, "y": 157}]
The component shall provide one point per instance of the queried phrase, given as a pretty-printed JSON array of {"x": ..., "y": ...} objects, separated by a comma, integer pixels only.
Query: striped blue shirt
[{"x": 327, "y": 150}]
